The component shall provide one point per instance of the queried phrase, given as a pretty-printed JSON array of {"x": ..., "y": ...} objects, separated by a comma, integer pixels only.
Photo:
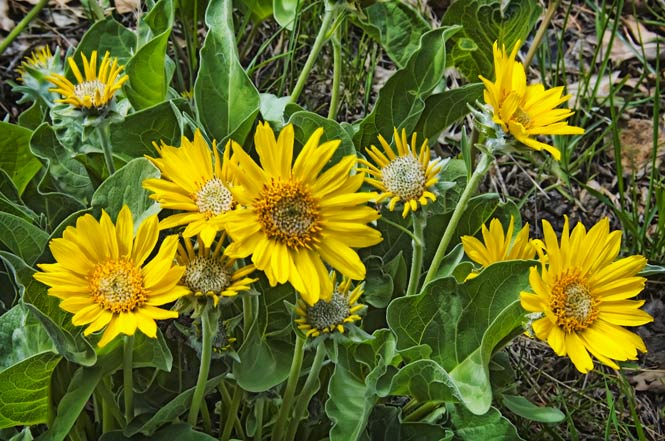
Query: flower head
[
  {"x": 407, "y": 176},
  {"x": 102, "y": 277},
  {"x": 40, "y": 61},
  {"x": 497, "y": 247},
  {"x": 196, "y": 181},
  {"x": 94, "y": 88},
  {"x": 524, "y": 110},
  {"x": 331, "y": 312},
  {"x": 209, "y": 273},
  {"x": 583, "y": 294},
  {"x": 293, "y": 217}
]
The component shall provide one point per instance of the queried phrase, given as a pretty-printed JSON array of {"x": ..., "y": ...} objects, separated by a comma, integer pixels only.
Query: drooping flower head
[
  {"x": 583, "y": 294},
  {"x": 209, "y": 273},
  {"x": 102, "y": 277},
  {"x": 497, "y": 247},
  {"x": 405, "y": 177},
  {"x": 524, "y": 110},
  {"x": 95, "y": 88},
  {"x": 338, "y": 308},
  {"x": 194, "y": 180},
  {"x": 294, "y": 217},
  {"x": 38, "y": 64}
]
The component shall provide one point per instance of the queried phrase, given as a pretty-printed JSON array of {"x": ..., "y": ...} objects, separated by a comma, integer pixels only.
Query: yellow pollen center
[
  {"x": 94, "y": 89},
  {"x": 405, "y": 177},
  {"x": 214, "y": 198},
  {"x": 117, "y": 285},
  {"x": 521, "y": 117},
  {"x": 289, "y": 213},
  {"x": 572, "y": 303}
]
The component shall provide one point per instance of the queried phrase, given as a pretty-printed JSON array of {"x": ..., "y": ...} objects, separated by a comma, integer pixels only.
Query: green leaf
[
  {"x": 10, "y": 200},
  {"x": 16, "y": 158},
  {"x": 21, "y": 336},
  {"x": 124, "y": 187},
  {"x": 443, "y": 109},
  {"x": 107, "y": 35},
  {"x": 385, "y": 425},
  {"x": 226, "y": 100},
  {"x": 272, "y": 109},
  {"x": 178, "y": 431},
  {"x": 71, "y": 405},
  {"x": 285, "y": 12},
  {"x": 24, "y": 398},
  {"x": 305, "y": 123},
  {"x": 260, "y": 9},
  {"x": 21, "y": 237},
  {"x": 152, "y": 352},
  {"x": 402, "y": 99},
  {"x": 32, "y": 117},
  {"x": 484, "y": 22},
  {"x": 148, "y": 78},
  {"x": 526, "y": 409},
  {"x": 477, "y": 213},
  {"x": 490, "y": 425},
  {"x": 464, "y": 324},
  {"x": 397, "y": 26}
]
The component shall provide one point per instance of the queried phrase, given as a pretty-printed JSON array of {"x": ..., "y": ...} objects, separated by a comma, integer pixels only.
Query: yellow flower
[
  {"x": 406, "y": 177},
  {"x": 102, "y": 277},
  {"x": 583, "y": 293},
  {"x": 40, "y": 59},
  {"x": 497, "y": 246},
  {"x": 195, "y": 181},
  {"x": 94, "y": 88},
  {"x": 331, "y": 312},
  {"x": 526, "y": 110},
  {"x": 292, "y": 218},
  {"x": 209, "y": 273}
]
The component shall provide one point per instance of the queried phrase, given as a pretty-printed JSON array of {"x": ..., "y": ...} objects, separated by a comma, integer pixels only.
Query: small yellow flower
[
  {"x": 94, "y": 89},
  {"x": 196, "y": 181},
  {"x": 209, "y": 273},
  {"x": 293, "y": 217},
  {"x": 101, "y": 276},
  {"x": 407, "y": 176},
  {"x": 583, "y": 294},
  {"x": 331, "y": 312},
  {"x": 40, "y": 60},
  {"x": 524, "y": 110},
  {"x": 497, "y": 247}
]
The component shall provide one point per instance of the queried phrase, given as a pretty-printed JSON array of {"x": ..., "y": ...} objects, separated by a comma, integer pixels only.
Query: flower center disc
[
  {"x": 205, "y": 275},
  {"x": 328, "y": 314},
  {"x": 214, "y": 198},
  {"x": 92, "y": 89},
  {"x": 404, "y": 177},
  {"x": 572, "y": 303},
  {"x": 288, "y": 213},
  {"x": 117, "y": 285},
  {"x": 521, "y": 117}
]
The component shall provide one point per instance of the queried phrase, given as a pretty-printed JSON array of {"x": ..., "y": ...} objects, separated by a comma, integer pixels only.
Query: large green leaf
[
  {"x": 402, "y": 99},
  {"x": 107, "y": 35},
  {"x": 464, "y": 324},
  {"x": 490, "y": 425},
  {"x": 16, "y": 158},
  {"x": 305, "y": 123},
  {"x": 226, "y": 100},
  {"x": 285, "y": 12},
  {"x": 178, "y": 431},
  {"x": 396, "y": 25},
  {"x": 148, "y": 77},
  {"x": 484, "y": 22},
  {"x": 21, "y": 336},
  {"x": 24, "y": 395},
  {"x": 21, "y": 237},
  {"x": 385, "y": 425}
]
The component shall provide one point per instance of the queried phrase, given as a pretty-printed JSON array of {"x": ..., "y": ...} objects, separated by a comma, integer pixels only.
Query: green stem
[
  {"x": 260, "y": 404},
  {"x": 337, "y": 74},
  {"x": 22, "y": 24},
  {"x": 423, "y": 410},
  {"x": 231, "y": 415},
  {"x": 128, "y": 380},
  {"x": 106, "y": 148},
  {"x": 207, "y": 329},
  {"x": 308, "y": 390},
  {"x": 289, "y": 392},
  {"x": 460, "y": 208},
  {"x": 540, "y": 33},
  {"x": 205, "y": 416},
  {"x": 321, "y": 37},
  {"x": 399, "y": 227},
  {"x": 419, "y": 222},
  {"x": 110, "y": 412},
  {"x": 247, "y": 314}
]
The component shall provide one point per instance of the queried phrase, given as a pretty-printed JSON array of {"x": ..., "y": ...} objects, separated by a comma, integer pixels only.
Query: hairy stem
[
  {"x": 208, "y": 327},
  {"x": 418, "y": 244},
  {"x": 289, "y": 391},
  {"x": 128, "y": 380}
]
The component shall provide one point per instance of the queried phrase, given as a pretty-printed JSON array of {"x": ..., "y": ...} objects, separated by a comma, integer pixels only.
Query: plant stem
[
  {"x": 321, "y": 37},
  {"x": 260, "y": 404},
  {"x": 22, "y": 24},
  {"x": 540, "y": 33},
  {"x": 231, "y": 415},
  {"x": 207, "y": 330},
  {"x": 398, "y": 226},
  {"x": 422, "y": 411},
  {"x": 247, "y": 314},
  {"x": 128, "y": 380},
  {"x": 419, "y": 222},
  {"x": 308, "y": 391},
  {"x": 289, "y": 391},
  {"x": 110, "y": 412},
  {"x": 462, "y": 203},
  {"x": 337, "y": 74},
  {"x": 106, "y": 148}
]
